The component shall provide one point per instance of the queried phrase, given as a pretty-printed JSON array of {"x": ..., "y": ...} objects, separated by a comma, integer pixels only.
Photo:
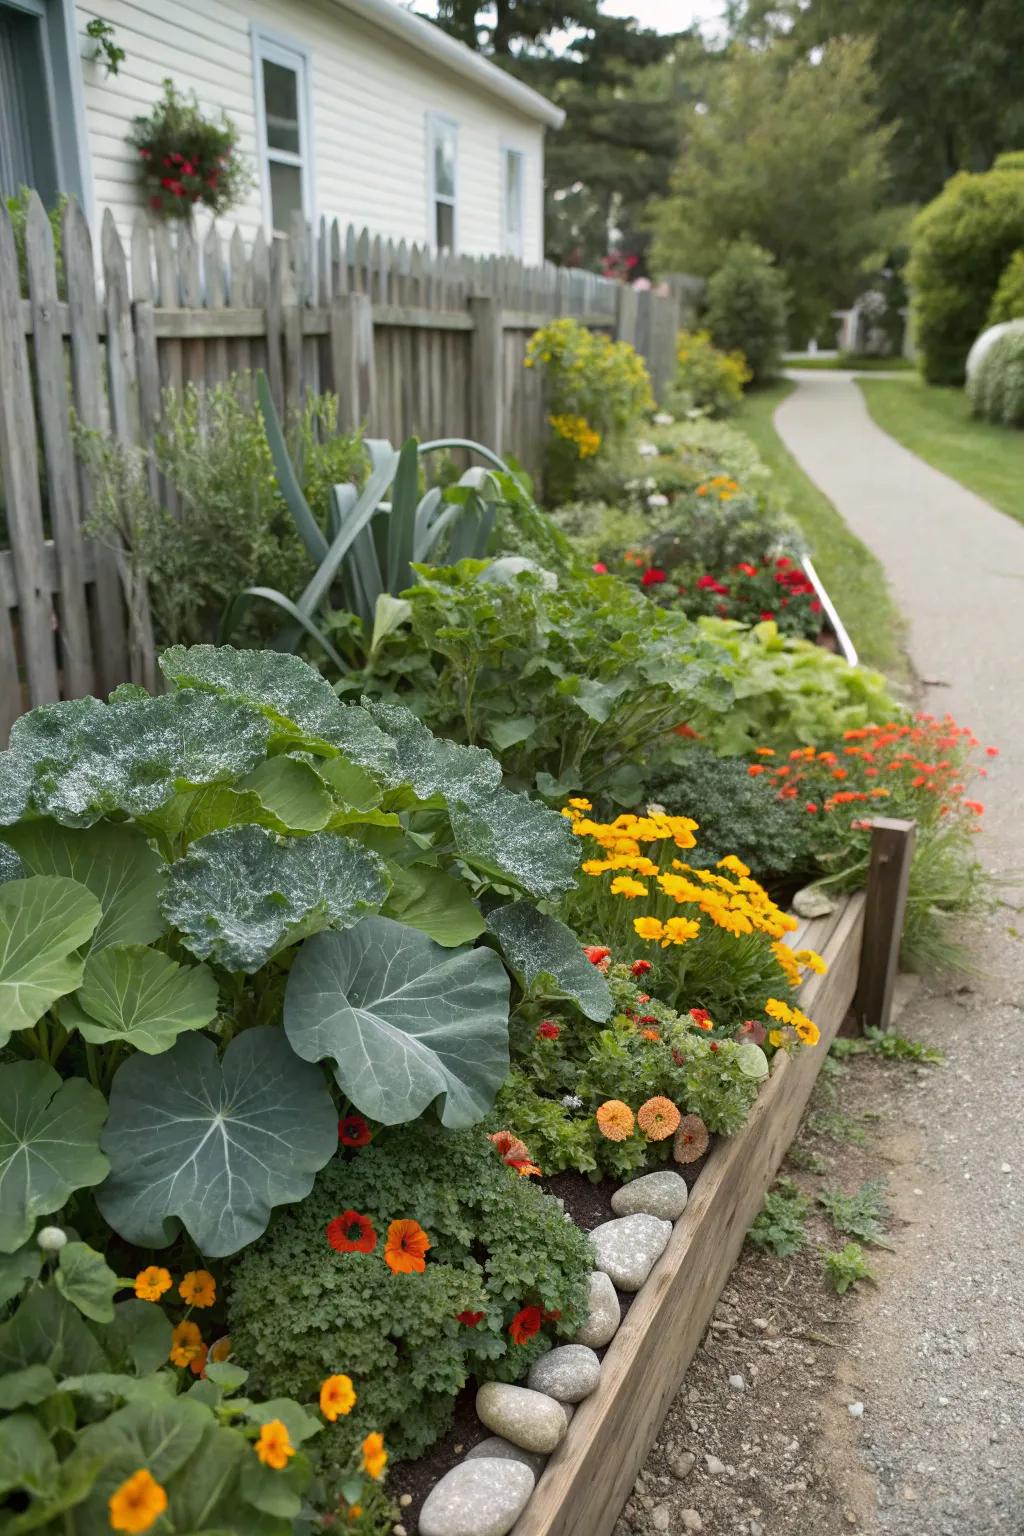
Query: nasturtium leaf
[
  {"x": 751, "y": 1060},
  {"x": 203, "y": 1496},
  {"x": 508, "y": 733},
  {"x": 113, "y": 1387},
  {"x": 114, "y": 861},
  {"x": 434, "y": 902},
  {"x": 46, "y": 1330},
  {"x": 226, "y": 1375},
  {"x": 510, "y": 836},
  {"x": 299, "y": 1424},
  {"x": 81, "y": 759},
  {"x": 402, "y": 1020},
  {"x": 141, "y": 996},
  {"x": 240, "y": 895},
  {"x": 75, "y": 1476},
  {"x": 32, "y": 1384},
  {"x": 11, "y": 867},
  {"x": 159, "y": 1433},
  {"x": 44, "y": 921},
  {"x": 139, "y": 1338},
  {"x": 18, "y": 1268},
  {"x": 49, "y": 1144},
  {"x": 273, "y": 1493},
  {"x": 213, "y": 1146},
  {"x": 292, "y": 792},
  {"x": 27, "y": 1459},
  {"x": 300, "y": 704},
  {"x": 536, "y": 945},
  {"x": 84, "y": 1278}
]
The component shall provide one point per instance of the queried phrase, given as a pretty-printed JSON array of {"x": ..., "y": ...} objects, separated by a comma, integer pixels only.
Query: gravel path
[{"x": 934, "y": 1353}]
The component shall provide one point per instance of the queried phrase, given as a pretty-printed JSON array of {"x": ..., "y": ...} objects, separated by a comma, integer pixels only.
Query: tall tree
[
  {"x": 948, "y": 74},
  {"x": 789, "y": 153},
  {"x": 621, "y": 87}
]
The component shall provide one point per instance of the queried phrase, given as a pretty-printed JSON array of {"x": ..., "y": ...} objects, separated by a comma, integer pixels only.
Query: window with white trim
[
  {"x": 514, "y": 169},
  {"x": 443, "y": 148},
  {"x": 284, "y": 125},
  {"x": 42, "y": 129}
]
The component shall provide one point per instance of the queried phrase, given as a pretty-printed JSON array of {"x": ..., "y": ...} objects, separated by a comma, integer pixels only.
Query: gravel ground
[{"x": 931, "y": 1358}]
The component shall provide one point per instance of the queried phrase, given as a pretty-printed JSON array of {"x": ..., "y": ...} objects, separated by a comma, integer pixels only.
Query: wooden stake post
[{"x": 892, "y": 849}]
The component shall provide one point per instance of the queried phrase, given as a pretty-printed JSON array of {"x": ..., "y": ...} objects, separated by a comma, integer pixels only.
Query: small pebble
[
  {"x": 683, "y": 1465},
  {"x": 855, "y": 1410},
  {"x": 405, "y": 1500},
  {"x": 691, "y": 1520},
  {"x": 660, "y": 1517},
  {"x": 737, "y": 1383},
  {"x": 713, "y": 1465},
  {"x": 1006, "y": 1168}
]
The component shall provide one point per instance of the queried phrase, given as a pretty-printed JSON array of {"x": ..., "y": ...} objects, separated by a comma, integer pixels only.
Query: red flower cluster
[
  {"x": 547, "y": 1030},
  {"x": 527, "y": 1322},
  {"x": 652, "y": 577},
  {"x": 353, "y": 1131}
]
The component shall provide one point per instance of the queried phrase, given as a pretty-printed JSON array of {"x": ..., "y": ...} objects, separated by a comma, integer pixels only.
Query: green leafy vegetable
[
  {"x": 49, "y": 1145},
  {"x": 132, "y": 993},
  {"x": 87, "y": 1281},
  {"x": 537, "y": 946},
  {"x": 114, "y": 861},
  {"x": 44, "y": 921}
]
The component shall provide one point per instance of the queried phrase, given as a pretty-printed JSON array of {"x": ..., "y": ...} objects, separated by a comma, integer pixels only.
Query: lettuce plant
[{"x": 226, "y": 907}]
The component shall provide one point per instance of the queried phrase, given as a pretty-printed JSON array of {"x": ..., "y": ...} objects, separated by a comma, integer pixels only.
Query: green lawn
[
  {"x": 854, "y": 578},
  {"x": 847, "y": 360},
  {"x": 936, "y": 424}
]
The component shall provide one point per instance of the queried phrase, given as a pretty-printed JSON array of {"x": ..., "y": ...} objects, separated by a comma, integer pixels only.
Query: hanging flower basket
[{"x": 188, "y": 160}]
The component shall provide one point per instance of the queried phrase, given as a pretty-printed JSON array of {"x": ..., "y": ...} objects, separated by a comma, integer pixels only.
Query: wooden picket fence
[{"x": 410, "y": 341}]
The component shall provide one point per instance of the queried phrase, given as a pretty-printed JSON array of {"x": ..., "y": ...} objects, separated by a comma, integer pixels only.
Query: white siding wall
[{"x": 371, "y": 99}]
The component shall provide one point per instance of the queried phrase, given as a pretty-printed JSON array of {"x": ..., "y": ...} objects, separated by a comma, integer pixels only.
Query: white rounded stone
[
  {"x": 628, "y": 1248},
  {"x": 483, "y": 1497},
  {"x": 496, "y": 1445},
  {"x": 529, "y": 1419},
  {"x": 569, "y": 1373},
  {"x": 604, "y": 1313},
  {"x": 662, "y": 1194}
]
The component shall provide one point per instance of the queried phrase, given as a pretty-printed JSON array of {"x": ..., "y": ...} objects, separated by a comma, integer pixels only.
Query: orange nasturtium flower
[
  {"x": 658, "y": 1118},
  {"x": 137, "y": 1504},
  {"x": 406, "y": 1248},
  {"x": 375, "y": 1457},
  {"x": 186, "y": 1344},
  {"x": 615, "y": 1120},
  {"x": 150, "y": 1283},
  {"x": 273, "y": 1447},
  {"x": 337, "y": 1397},
  {"x": 198, "y": 1288}
]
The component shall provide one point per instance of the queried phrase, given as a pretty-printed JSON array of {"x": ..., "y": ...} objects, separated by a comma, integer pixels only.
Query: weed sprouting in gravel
[
  {"x": 846, "y": 1267},
  {"x": 807, "y": 1160},
  {"x": 860, "y": 1214},
  {"x": 891, "y": 1047},
  {"x": 781, "y": 1224}
]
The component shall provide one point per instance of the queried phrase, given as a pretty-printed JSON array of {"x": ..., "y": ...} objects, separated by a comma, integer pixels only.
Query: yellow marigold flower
[
  {"x": 337, "y": 1397},
  {"x": 787, "y": 962},
  {"x": 624, "y": 885},
  {"x": 679, "y": 930},
  {"x": 615, "y": 1120},
  {"x": 734, "y": 865},
  {"x": 579, "y": 804},
  {"x": 812, "y": 960},
  {"x": 595, "y": 866},
  {"x": 137, "y": 1504},
  {"x": 778, "y": 1010},
  {"x": 186, "y": 1344},
  {"x": 198, "y": 1288},
  {"x": 375, "y": 1457},
  {"x": 151, "y": 1282},
  {"x": 806, "y": 1028},
  {"x": 273, "y": 1447},
  {"x": 647, "y": 927},
  {"x": 658, "y": 1118},
  {"x": 735, "y": 923}
]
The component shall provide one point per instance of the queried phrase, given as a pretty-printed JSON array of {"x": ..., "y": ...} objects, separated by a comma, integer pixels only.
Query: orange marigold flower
[
  {"x": 753, "y": 769},
  {"x": 658, "y": 1118},
  {"x": 273, "y": 1447},
  {"x": 615, "y": 1120},
  {"x": 510, "y": 1148},
  {"x": 151, "y": 1282},
  {"x": 186, "y": 1344},
  {"x": 523, "y": 1166},
  {"x": 375, "y": 1457},
  {"x": 337, "y": 1397},
  {"x": 138, "y": 1503},
  {"x": 198, "y": 1288},
  {"x": 405, "y": 1252},
  {"x": 691, "y": 1139},
  {"x": 650, "y": 1034}
]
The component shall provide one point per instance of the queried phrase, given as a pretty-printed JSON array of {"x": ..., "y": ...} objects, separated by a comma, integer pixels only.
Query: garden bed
[{"x": 587, "y": 1480}]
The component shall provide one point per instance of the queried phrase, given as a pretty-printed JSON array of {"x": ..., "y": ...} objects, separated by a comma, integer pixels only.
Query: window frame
[
  {"x": 441, "y": 121},
  {"x": 64, "y": 106},
  {"x": 290, "y": 54},
  {"x": 508, "y": 149}
]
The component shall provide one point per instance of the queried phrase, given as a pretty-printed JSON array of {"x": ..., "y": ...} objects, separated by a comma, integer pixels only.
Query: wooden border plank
[
  {"x": 892, "y": 851},
  {"x": 587, "y": 1481}
]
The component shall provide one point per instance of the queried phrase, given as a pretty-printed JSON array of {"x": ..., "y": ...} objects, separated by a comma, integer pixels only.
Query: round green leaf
[
  {"x": 240, "y": 895},
  {"x": 49, "y": 1145},
  {"x": 751, "y": 1060},
  {"x": 44, "y": 921},
  {"x": 536, "y": 945},
  {"x": 213, "y": 1145},
  {"x": 116, "y": 863},
  {"x": 402, "y": 1020},
  {"x": 132, "y": 993},
  {"x": 139, "y": 1338},
  {"x": 84, "y": 1278},
  {"x": 27, "y": 1459}
]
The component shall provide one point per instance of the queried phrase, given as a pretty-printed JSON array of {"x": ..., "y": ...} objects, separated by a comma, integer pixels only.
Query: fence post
[
  {"x": 626, "y": 310},
  {"x": 892, "y": 849},
  {"x": 352, "y": 359},
  {"x": 487, "y": 373}
]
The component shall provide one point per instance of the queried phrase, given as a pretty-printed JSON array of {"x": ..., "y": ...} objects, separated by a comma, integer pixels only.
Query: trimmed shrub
[
  {"x": 960, "y": 246},
  {"x": 996, "y": 387},
  {"x": 707, "y": 379},
  {"x": 747, "y": 306},
  {"x": 1008, "y": 303}
]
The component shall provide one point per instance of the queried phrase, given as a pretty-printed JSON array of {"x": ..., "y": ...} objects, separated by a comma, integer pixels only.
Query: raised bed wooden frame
[{"x": 586, "y": 1482}]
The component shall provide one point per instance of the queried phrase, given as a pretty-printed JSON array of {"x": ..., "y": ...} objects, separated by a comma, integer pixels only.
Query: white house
[{"x": 353, "y": 109}]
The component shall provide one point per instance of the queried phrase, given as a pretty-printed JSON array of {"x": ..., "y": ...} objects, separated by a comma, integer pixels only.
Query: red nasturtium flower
[
  {"x": 405, "y": 1252},
  {"x": 525, "y": 1324},
  {"x": 353, "y": 1131},
  {"x": 640, "y": 967},
  {"x": 652, "y": 577},
  {"x": 548, "y": 1031},
  {"x": 470, "y": 1319},
  {"x": 510, "y": 1148},
  {"x": 701, "y": 1018},
  {"x": 599, "y": 568},
  {"x": 351, "y": 1233},
  {"x": 596, "y": 953},
  {"x": 522, "y": 1166}
]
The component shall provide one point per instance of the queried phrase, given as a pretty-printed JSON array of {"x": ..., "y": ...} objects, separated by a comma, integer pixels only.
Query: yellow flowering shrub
[
  {"x": 596, "y": 389},
  {"x": 707, "y": 379},
  {"x": 718, "y": 937}
]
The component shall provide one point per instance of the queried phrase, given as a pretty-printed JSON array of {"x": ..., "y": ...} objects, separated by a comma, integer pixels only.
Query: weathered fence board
[{"x": 410, "y": 341}]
